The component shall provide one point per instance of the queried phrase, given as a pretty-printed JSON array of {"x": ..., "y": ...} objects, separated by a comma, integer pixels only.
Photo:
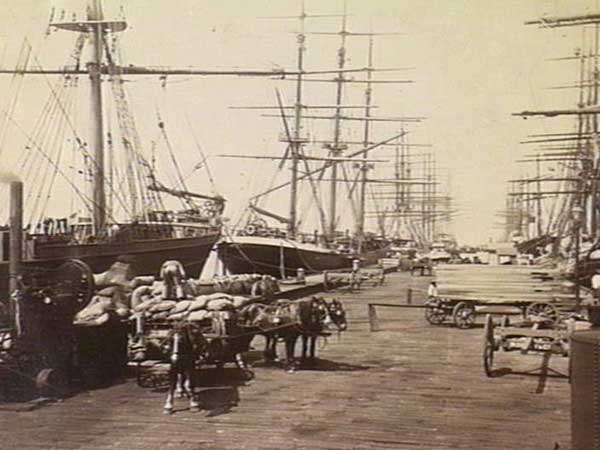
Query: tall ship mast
[
  {"x": 258, "y": 247},
  {"x": 125, "y": 202},
  {"x": 553, "y": 209}
]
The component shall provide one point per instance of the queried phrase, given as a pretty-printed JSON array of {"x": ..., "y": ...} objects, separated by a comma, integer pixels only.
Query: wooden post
[
  {"x": 16, "y": 249},
  {"x": 325, "y": 281},
  {"x": 409, "y": 296},
  {"x": 281, "y": 261},
  {"x": 373, "y": 324}
]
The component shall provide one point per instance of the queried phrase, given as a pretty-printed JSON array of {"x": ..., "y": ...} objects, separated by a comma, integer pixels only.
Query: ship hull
[
  {"x": 274, "y": 256},
  {"x": 148, "y": 255}
]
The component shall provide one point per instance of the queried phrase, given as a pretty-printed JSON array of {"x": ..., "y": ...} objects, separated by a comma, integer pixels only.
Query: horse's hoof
[
  {"x": 194, "y": 407},
  {"x": 167, "y": 411}
]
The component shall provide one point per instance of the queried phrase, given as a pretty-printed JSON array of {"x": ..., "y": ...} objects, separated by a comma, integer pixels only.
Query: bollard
[
  {"x": 409, "y": 296},
  {"x": 373, "y": 325}
]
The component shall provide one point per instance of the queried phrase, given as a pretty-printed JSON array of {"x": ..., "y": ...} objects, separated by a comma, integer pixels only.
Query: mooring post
[
  {"x": 15, "y": 249},
  {"x": 373, "y": 325},
  {"x": 409, "y": 296}
]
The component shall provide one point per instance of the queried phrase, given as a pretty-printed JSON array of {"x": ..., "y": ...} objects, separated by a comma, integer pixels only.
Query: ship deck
[{"x": 409, "y": 386}]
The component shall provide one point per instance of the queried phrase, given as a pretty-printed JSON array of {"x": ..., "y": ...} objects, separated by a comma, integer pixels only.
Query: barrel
[{"x": 585, "y": 390}]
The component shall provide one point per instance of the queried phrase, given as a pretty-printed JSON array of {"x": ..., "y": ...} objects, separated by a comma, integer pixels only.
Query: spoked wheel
[
  {"x": 463, "y": 315},
  {"x": 488, "y": 346},
  {"x": 542, "y": 309},
  {"x": 75, "y": 279},
  {"x": 434, "y": 314}
]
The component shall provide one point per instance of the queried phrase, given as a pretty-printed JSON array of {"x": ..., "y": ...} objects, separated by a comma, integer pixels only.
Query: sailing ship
[
  {"x": 259, "y": 247},
  {"x": 555, "y": 213},
  {"x": 124, "y": 209}
]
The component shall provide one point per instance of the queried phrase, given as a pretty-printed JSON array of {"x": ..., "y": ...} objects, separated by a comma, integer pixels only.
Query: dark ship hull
[
  {"x": 273, "y": 256},
  {"x": 147, "y": 255}
]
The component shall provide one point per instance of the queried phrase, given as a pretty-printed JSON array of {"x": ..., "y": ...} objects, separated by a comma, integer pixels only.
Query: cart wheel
[
  {"x": 463, "y": 315},
  {"x": 542, "y": 309},
  {"x": 77, "y": 279},
  {"x": 488, "y": 346},
  {"x": 434, "y": 314}
]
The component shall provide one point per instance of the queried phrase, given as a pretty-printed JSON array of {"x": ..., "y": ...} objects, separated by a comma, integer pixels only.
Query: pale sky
[{"x": 475, "y": 64}]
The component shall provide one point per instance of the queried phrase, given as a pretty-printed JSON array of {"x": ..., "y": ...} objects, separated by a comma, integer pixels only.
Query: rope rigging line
[
  {"x": 87, "y": 200},
  {"x": 204, "y": 161},
  {"x": 58, "y": 151},
  {"x": 180, "y": 181},
  {"x": 129, "y": 136},
  {"x": 16, "y": 85},
  {"x": 33, "y": 174}
]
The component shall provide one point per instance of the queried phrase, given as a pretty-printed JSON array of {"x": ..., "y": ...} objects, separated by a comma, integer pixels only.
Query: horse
[
  {"x": 305, "y": 318},
  {"x": 183, "y": 348},
  {"x": 230, "y": 342},
  {"x": 265, "y": 319}
]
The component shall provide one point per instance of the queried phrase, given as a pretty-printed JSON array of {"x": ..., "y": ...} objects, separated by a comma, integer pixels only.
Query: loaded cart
[
  {"x": 227, "y": 342},
  {"x": 461, "y": 311}
]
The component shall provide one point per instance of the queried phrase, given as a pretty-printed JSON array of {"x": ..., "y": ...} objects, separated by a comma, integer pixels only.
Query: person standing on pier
[
  {"x": 596, "y": 285},
  {"x": 432, "y": 291}
]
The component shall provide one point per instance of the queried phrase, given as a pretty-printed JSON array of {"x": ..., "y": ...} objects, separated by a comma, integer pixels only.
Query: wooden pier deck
[{"x": 409, "y": 386}]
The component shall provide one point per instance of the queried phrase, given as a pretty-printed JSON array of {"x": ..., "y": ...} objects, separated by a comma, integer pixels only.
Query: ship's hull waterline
[
  {"x": 147, "y": 255},
  {"x": 272, "y": 256}
]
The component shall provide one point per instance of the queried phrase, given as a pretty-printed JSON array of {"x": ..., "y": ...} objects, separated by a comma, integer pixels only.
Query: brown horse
[{"x": 287, "y": 321}]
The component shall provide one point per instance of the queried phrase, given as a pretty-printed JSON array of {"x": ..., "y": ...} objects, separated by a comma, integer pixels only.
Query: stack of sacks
[
  {"x": 113, "y": 289},
  {"x": 239, "y": 284},
  {"x": 149, "y": 302}
]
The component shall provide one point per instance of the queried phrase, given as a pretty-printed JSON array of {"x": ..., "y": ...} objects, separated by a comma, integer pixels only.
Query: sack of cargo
[
  {"x": 199, "y": 302},
  {"x": 100, "y": 320},
  {"x": 97, "y": 307},
  {"x": 181, "y": 306},
  {"x": 146, "y": 304},
  {"x": 219, "y": 295},
  {"x": 164, "y": 305},
  {"x": 177, "y": 316},
  {"x": 159, "y": 315},
  {"x": 197, "y": 316},
  {"x": 146, "y": 280},
  {"x": 140, "y": 295},
  {"x": 219, "y": 304},
  {"x": 203, "y": 287},
  {"x": 240, "y": 302}
]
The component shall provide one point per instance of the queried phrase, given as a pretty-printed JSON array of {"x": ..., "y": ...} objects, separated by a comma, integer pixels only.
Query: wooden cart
[
  {"x": 536, "y": 334},
  {"x": 461, "y": 311},
  {"x": 227, "y": 346}
]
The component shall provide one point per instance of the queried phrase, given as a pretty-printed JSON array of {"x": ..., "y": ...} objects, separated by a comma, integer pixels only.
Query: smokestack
[{"x": 16, "y": 240}]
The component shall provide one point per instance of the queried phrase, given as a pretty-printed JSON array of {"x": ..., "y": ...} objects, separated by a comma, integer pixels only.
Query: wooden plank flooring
[{"x": 409, "y": 386}]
